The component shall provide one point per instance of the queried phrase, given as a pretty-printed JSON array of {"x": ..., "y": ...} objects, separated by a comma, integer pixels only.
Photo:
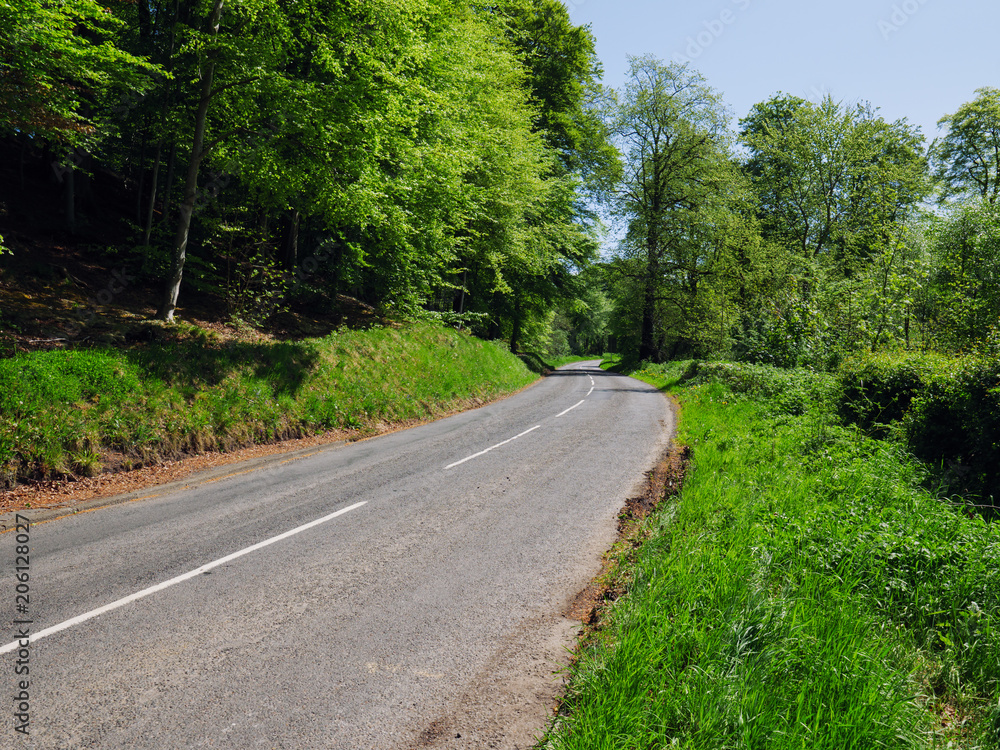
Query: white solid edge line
[
  {"x": 477, "y": 455},
  {"x": 167, "y": 584},
  {"x": 569, "y": 409}
]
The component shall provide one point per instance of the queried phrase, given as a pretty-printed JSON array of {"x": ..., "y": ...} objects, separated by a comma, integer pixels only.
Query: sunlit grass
[
  {"x": 60, "y": 411},
  {"x": 803, "y": 592}
]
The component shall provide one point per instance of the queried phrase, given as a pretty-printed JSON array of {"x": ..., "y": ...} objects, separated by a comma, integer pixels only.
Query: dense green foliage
[
  {"x": 967, "y": 158},
  {"x": 945, "y": 410},
  {"x": 811, "y": 241},
  {"x": 448, "y": 157},
  {"x": 57, "y": 59},
  {"x": 960, "y": 304},
  {"x": 417, "y": 156},
  {"x": 62, "y": 411},
  {"x": 804, "y": 590}
]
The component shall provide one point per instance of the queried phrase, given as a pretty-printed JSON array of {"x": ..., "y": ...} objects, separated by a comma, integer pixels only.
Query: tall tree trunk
[
  {"x": 142, "y": 177},
  {"x": 338, "y": 263},
  {"x": 647, "y": 334},
  {"x": 152, "y": 194},
  {"x": 647, "y": 347},
  {"x": 70, "y": 196},
  {"x": 290, "y": 240},
  {"x": 168, "y": 188},
  {"x": 515, "y": 334},
  {"x": 166, "y": 311},
  {"x": 461, "y": 301}
]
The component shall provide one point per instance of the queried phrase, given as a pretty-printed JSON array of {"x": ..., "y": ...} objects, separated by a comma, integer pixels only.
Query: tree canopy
[
  {"x": 435, "y": 148},
  {"x": 967, "y": 158},
  {"x": 449, "y": 159}
]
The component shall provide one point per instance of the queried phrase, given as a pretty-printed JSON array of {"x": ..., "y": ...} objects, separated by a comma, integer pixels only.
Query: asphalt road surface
[{"x": 406, "y": 591}]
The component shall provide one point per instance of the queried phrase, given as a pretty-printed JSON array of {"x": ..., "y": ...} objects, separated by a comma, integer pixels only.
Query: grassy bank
[
  {"x": 65, "y": 412},
  {"x": 804, "y": 591}
]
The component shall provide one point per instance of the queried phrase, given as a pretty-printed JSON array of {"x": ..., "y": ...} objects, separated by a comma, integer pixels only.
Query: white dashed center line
[
  {"x": 569, "y": 409},
  {"x": 593, "y": 385},
  {"x": 173, "y": 581},
  {"x": 492, "y": 447}
]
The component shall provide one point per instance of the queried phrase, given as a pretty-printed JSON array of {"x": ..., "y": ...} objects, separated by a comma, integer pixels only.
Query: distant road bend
[{"x": 404, "y": 591}]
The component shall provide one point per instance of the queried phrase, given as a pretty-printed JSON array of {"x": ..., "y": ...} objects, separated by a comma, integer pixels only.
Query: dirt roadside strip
[{"x": 48, "y": 501}]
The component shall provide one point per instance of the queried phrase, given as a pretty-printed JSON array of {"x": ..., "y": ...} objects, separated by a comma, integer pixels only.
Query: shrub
[
  {"x": 946, "y": 410},
  {"x": 954, "y": 423},
  {"x": 791, "y": 390},
  {"x": 874, "y": 391}
]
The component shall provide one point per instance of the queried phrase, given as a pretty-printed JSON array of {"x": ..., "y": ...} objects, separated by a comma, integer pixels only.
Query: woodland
[
  {"x": 228, "y": 223},
  {"x": 463, "y": 162}
]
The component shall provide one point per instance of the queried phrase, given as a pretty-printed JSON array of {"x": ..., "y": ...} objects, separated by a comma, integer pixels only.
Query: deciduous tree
[
  {"x": 967, "y": 157},
  {"x": 671, "y": 130}
]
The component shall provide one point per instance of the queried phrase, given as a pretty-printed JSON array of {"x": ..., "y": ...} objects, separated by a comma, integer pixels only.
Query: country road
[{"x": 400, "y": 592}]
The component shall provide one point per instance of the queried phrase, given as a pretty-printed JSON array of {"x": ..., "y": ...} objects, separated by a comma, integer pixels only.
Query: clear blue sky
[{"x": 918, "y": 59}]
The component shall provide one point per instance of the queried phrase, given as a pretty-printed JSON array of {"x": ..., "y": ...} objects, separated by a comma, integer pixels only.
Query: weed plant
[
  {"x": 64, "y": 411},
  {"x": 804, "y": 591}
]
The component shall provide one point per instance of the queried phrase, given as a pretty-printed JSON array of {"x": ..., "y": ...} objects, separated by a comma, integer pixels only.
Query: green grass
[
  {"x": 804, "y": 591},
  {"x": 60, "y": 412}
]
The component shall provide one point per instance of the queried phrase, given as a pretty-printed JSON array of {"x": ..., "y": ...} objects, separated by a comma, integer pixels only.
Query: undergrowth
[
  {"x": 804, "y": 591},
  {"x": 65, "y": 412},
  {"x": 946, "y": 410}
]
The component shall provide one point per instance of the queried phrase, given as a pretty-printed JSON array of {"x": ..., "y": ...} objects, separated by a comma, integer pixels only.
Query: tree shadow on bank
[{"x": 194, "y": 364}]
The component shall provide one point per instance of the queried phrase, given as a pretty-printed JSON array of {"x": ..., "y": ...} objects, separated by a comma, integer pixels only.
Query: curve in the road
[{"x": 438, "y": 605}]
